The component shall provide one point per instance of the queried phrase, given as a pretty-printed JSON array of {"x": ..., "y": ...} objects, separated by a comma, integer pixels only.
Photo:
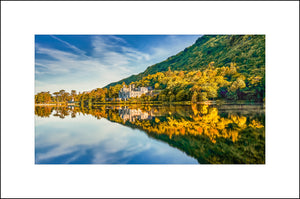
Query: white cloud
[
  {"x": 69, "y": 45},
  {"x": 103, "y": 141},
  {"x": 71, "y": 71},
  {"x": 111, "y": 59},
  {"x": 117, "y": 39},
  {"x": 56, "y": 54},
  {"x": 74, "y": 143},
  {"x": 115, "y": 51},
  {"x": 136, "y": 55}
]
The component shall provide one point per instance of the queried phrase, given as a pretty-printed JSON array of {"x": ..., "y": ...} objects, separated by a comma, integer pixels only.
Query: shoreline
[
  {"x": 68, "y": 104},
  {"x": 209, "y": 102}
]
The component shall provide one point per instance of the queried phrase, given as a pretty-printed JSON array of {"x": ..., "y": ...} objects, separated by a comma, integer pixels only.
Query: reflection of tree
[
  {"x": 202, "y": 122},
  {"x": 98, "y": 112},
  {"x": 61, "y": 112},
  {"x": 43, "y": 111},
  {"x": 73, "y": 115},
  {"x": 198, "y": 130},
  {"x": 204, "y": 134},
  {"x": 178, "y": 121},
  {"x": 199, "y": 120}
]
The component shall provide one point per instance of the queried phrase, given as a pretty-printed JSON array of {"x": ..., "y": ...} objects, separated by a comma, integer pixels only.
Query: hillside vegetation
[
  {"x": 201, "y": 85},
  {"x": 230, "y": 67},
  {"x": 246, "y": 51}
]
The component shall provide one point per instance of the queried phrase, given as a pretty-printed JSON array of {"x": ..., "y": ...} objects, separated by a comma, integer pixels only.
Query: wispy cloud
[
  {"x": 134, "y": 54},
  {"x": 115, "y": 51},
  {"x": 69, "y": 45},
  {"x": 101, "y": 145},
  {"x": 54, "y": 53},
  {"x": 110, "y": 59}
]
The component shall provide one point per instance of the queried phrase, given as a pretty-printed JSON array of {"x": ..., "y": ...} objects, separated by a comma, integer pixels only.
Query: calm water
[{"x": 228, "y": 134}]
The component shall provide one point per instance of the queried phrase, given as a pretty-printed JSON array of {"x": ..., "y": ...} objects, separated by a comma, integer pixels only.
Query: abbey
[{"x": 126, "y": 93}]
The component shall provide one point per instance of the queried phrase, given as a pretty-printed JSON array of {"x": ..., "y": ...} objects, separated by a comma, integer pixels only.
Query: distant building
[
  {"x": 71, "y": 101},
  {"x": 126, "y": 93}
]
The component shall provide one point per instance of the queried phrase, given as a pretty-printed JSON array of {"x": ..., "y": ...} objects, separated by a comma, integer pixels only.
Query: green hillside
[{"x": 247, "y": 51}]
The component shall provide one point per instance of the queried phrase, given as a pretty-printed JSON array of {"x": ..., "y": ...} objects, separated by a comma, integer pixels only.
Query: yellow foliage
[
  {"x": 256, "y": 124},
  {"x": 157, "y": 120},
  {"x": 205, "y": 121}
]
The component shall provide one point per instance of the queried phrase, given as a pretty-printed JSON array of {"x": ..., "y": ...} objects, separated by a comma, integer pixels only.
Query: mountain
[{"x": 247, "y": 51}]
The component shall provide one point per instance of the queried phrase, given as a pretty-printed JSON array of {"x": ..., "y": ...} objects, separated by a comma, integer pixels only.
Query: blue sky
[{"x": 85, "y": 62}]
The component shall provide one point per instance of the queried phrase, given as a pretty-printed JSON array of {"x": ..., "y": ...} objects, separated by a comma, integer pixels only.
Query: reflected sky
[{"x": 87, "y": 140}]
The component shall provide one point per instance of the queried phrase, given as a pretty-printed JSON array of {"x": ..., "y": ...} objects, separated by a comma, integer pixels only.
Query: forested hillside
[
  {"x": 246, "y": 51},
  {"x": 228, "y": 67}
]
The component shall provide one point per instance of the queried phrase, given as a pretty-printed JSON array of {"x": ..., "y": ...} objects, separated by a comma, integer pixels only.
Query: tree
[
  {"x": 180, "y": 96},
  {"x": 202, "y": 96},
  {"x": 56, "y": 95},
  {"x": 99, "y": 95},
  {"x": 212, "y": 92},
  {"x": 162, "y": 97},
  {"x": 232, "y": 95},
  {"x": 238, "y": 84},
  {"x": 172, "y": 98},
  {"x": 194, "y": 96},
  {"x": 232, "y": 69},
  {"x": 63, "y": 95},
  {"x": 43, "y": 97},
  {"x": 222, "y": 92},
  {"x": 113, "y": 91},
  {"x": 169, "y": 72}
]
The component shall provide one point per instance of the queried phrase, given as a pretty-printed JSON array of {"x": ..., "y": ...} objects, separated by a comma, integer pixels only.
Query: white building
[{"x": 126, "y": 93}]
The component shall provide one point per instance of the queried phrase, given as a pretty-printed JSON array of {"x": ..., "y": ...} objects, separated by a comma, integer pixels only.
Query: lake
[{"x": 142, "y": 134}]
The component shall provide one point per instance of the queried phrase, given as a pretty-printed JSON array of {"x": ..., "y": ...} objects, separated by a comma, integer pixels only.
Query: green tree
[
  {"x": 181, "y": 96},
  {"x": 172, "y": 98}
]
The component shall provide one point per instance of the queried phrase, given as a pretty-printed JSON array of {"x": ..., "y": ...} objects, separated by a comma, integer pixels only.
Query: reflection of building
[
  {"x": 126, "y": 93},
  {"x": 133, "y": 114}
]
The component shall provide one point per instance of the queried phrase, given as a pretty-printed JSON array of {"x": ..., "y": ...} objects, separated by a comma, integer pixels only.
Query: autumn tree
[
  {"x": 43, "y": 97},
  {"x": 57, "y": 94}
]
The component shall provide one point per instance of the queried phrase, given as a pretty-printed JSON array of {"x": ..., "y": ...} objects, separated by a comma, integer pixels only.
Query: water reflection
[
  {"x": 43, "y": 111},
  {"x": 133, "y": 114},
  {"x": 211, "y": 134}
]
